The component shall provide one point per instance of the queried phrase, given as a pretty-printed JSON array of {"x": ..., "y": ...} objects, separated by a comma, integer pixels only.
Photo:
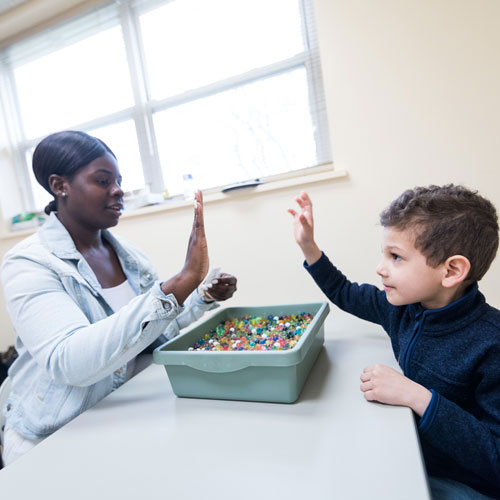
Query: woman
[{"x": 83, "y": 302}]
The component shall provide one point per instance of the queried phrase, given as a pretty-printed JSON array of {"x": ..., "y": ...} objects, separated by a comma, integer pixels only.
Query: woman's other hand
[
  {"x": 303, "y": 228},
  {"x": 221, "y": 288}
]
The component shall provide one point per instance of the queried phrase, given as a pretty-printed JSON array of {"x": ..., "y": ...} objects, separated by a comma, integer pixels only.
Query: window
[{"x": 225, "y": 90}]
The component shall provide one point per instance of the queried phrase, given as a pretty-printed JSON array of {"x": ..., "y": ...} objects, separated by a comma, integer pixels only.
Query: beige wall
[{"x": 412, "y": 95}]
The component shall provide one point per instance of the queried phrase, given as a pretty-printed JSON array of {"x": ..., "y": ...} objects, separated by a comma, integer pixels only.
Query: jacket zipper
[{"x": 405, "y": 357}]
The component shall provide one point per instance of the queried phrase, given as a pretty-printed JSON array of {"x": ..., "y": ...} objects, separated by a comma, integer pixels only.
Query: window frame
[{"x": 141, "y": 113}]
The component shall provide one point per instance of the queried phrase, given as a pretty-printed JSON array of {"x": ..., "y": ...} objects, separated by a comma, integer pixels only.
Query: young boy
[{"x": 437, "y": 243}]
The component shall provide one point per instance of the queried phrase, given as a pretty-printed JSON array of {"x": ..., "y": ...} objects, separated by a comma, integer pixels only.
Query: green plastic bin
[{"x": 272, "y": 376}]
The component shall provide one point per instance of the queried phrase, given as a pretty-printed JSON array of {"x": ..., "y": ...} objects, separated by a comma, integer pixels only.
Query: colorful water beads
[{"x": 255, "y": 333}]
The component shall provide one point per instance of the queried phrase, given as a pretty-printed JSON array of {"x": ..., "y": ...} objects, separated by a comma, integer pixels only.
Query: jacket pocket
[
  {"x": 146, "y": 281},
  {"x": 88, "y": 300}
]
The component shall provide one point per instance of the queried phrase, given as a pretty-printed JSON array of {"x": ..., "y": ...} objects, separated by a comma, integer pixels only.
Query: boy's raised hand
[
  {"x": 385, "y": 385},
  {"x": 303, "y": 228}
]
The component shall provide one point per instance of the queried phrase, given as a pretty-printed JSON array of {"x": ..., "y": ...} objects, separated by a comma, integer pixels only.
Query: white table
[{"x": 142, "y": 442}]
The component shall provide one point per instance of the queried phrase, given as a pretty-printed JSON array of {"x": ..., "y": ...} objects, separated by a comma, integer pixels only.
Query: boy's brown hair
[{"x": 448, "y": 220}]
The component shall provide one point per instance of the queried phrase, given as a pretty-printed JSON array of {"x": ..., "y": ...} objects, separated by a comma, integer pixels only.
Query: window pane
[
  {"x": 73, "y": 85},
  {"x": 190, "y": 43},
  {"x": 41, "y": 197},
  {"x": 121, "y": 138},
  {"x": 258, "y": 129}
]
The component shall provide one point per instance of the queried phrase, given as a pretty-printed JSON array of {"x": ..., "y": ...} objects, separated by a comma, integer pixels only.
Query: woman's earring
[{"x": 64, "y": 194}]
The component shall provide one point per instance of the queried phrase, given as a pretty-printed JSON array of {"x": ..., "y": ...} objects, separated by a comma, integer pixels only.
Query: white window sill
[
  {"x": 307, "y": 176},
  {"x": 311, "y": 175}
]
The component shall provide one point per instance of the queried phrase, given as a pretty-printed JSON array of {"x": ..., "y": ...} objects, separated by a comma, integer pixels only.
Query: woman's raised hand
[
  {"x": 303, "y": 228},
  {"x": 196, "y": 264}
]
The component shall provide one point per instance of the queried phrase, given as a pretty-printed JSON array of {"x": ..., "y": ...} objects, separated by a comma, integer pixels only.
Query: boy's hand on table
[{"x": 385, "y": 385}]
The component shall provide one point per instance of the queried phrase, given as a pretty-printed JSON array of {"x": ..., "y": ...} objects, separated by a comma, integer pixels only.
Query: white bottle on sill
[{"x": 189, "y": 188}]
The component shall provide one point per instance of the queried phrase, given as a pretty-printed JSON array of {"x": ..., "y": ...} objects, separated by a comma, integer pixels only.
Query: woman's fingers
[
  {"x": 227, "y": 279},
  {"x": 199, "y": 221},
  {"x": 197, "y": 254},
  {"x": 198, "y": 229},
  {"x": 222, "y": 282},
  {"x": 222, "y": 287}
]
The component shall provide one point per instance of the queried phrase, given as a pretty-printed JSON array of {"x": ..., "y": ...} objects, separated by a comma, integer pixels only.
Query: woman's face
[{"x": 94, "y": 197}]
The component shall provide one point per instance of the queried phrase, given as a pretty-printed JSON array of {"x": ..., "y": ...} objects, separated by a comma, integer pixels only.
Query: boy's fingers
[
  {"x": 369, "y": 396},
  {"x": 293, "y": 212},
  {"x": 305, "y": 199},
  {"x": 300, "y": 202},
  {"x": 366, "y": 386},
  {"x": 303, "y": 220}
]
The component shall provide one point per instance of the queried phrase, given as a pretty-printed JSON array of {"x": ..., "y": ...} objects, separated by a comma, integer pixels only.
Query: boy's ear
[{"x": 457, "y": 269}]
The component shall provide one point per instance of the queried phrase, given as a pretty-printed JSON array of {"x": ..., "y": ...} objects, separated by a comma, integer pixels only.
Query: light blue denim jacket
[{"x": 73, "y": 349}]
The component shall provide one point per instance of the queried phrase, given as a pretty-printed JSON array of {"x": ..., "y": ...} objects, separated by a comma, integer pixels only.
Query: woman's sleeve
[
  {"x": 194, "y": 308},
  {"x": 364, "y": 301},
  {"x": 59, "y": 335}
]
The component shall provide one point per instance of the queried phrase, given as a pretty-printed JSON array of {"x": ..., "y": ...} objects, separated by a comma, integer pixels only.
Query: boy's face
[{"x": 406, "y": 276}]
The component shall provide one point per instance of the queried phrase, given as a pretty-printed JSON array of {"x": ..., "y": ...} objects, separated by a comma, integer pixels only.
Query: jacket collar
[
  {"x": 56, "y": 238},
  {"x": 462, "y": 311}
]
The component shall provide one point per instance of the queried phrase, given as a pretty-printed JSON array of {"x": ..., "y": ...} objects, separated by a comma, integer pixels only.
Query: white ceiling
[{"x": 8, "y": 4}]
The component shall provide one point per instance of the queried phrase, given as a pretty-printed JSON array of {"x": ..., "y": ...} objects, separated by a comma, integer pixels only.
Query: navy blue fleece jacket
[{"x": 455, "y": 353}]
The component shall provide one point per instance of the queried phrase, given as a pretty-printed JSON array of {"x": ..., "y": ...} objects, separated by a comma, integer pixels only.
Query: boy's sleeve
[
  {"x": 469, "y": 446},
  {"x": 364, "y": 301}
]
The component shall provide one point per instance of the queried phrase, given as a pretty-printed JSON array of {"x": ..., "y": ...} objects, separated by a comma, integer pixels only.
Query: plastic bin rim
[{"x": 251, "y": 358}]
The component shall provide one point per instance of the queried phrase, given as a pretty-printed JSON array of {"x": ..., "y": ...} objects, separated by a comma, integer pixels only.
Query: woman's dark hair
[
  {"x": 64, "y": 153},
  {"x": 448, "y": 220}
]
